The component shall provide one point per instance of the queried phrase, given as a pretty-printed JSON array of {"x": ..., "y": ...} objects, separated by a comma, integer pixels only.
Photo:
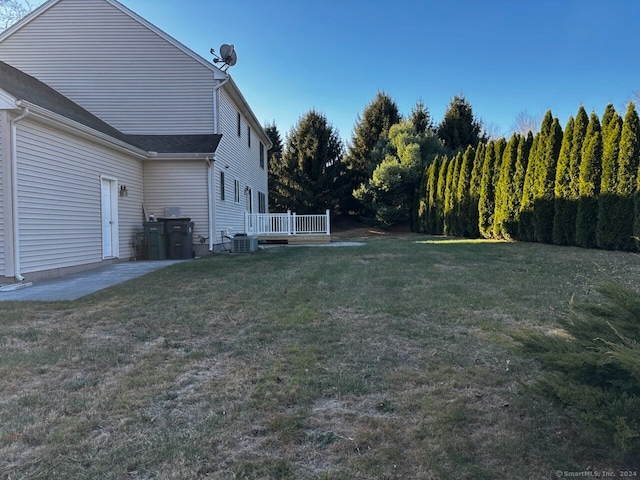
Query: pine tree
[
  {"x": 544, "y": 180},
  {"x": 609, "y": 228},
  {"x": 628, "y": 171},
  {"x": 590, "y": 178},
  {"x": 278, "y": 176},
  {"x": 561, "y": 189},
  {"x": 463, "y": 194},
  {"x": 377, "y": 118},
  {"x": 421, "y": 118},
  {"x": 507, "y": 205},
  {"x": 486, "y": 204},
  {"x": 312, "y": 161},
  {"x": 460, "y": 128},
  {"x": 524, "y": 148}
]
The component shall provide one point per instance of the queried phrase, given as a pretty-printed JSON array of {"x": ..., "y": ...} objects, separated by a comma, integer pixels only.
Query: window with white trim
[
  {"x": 262, "y": 203},
  {"x": 222, "y": 186},
  {"x": 236, "y": 191}
]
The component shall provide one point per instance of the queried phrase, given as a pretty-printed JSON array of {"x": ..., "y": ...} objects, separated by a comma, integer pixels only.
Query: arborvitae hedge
[
  {"x": 609, "y": 229},
  {"x": 562, "y": 192},
  {"x": 590, "y": 175},
  {"x": 571, "y": 188}
]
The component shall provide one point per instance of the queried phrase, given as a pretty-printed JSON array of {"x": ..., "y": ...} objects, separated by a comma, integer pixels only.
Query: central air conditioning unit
[{"x": 244, "y": 244}]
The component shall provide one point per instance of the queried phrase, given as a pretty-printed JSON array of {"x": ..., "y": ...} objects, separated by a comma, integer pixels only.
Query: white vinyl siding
[
  {"x": 3, "y": 179},
  {"x": 178, "y": 183},
  {"x": 244, "y": 165},
  {"x": 59, "y": 198},
  {"x": 115, "y": 67}
]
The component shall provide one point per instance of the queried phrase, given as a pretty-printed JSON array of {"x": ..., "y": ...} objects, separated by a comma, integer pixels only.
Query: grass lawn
[{"x": 389, "y": 360}]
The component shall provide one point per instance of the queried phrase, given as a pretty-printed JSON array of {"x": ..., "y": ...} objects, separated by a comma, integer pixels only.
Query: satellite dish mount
[{"x": 227, "y": 56}]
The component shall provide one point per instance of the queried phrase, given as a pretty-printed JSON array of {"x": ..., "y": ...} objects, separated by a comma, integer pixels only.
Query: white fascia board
[
  {"x": 7, "y": 101},
  {"x": 154, "y": 156},
  {"x": 60, "y": 122}
]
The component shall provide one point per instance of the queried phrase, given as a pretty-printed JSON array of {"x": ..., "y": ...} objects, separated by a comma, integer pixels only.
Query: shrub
[{"x": 593, "y": 367}]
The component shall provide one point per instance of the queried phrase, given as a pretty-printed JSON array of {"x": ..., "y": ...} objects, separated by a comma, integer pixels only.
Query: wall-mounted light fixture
[{"x": 123, "y": 191}]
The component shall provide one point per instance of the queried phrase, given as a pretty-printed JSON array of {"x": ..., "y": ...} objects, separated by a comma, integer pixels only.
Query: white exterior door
[{"x": 109, "y": 220}]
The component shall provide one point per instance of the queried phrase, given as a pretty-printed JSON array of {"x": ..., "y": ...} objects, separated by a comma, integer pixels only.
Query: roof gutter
[{"x": 14, "y": 188}]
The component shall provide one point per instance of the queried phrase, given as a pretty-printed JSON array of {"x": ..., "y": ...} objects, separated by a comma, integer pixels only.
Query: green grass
[{"x": 389, "y": 360}]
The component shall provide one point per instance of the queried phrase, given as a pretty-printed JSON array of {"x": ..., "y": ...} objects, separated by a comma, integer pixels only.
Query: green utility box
[{"x": 154, "y": 233}]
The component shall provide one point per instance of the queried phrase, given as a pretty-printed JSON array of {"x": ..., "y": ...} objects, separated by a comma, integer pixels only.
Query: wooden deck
[{"x": 301, "y": 239}]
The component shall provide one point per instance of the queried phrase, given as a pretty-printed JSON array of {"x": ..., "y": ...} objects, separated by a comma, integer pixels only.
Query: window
[
  {"x": 262, "y": 203},
  {"x": 222, "y": 186},
  {"x": 248, "y": 136},
  {"x": 239, "y": 130},
  {"x": 261, "y": 155},
  {"x": 236, "y": 190}
]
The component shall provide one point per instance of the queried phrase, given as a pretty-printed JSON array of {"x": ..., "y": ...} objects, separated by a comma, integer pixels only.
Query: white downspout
[
  {"x": 211, "y": 162},
  {"x": 14, "y": 188}
]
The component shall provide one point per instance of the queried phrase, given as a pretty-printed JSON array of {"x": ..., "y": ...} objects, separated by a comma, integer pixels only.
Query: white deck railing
[{"x": 286, "y": 224}]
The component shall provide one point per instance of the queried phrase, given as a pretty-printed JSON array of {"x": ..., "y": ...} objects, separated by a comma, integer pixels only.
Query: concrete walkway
[{"x": 76, "y": 285}]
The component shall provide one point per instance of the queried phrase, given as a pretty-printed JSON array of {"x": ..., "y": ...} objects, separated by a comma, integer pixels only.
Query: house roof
[{"x": 26, "y": 87}]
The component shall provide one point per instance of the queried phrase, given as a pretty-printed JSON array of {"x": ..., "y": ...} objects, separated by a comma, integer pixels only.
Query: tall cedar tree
[
  {"x": 276, "y": 168},
  {"x": 543, "y": 209},
  {"x": 432, "y": 190},
  {"x": 506, "y": 204},
  {"x": 313, "y": 157},
  {"x": 463, "y": 198},
  {"x": 575, "y": 160},
  {"x": 439, "y": 202},
  {"x": 561, "y": 189},
  {"x": 450, "y": 196},
  {"x": 609, "y": 229},
  {"x": 522, "y": 161},
  {"x": 590, "y": 177},
  {"x": 628, "y": 170},
  {"x": 486, "y": 204},
  {"x": 525, "y": 221},
  {"x": 474, "y": 191},
  {"x": 377, "y": 118},
  {"x": 422, "y": 202},
  {"x": 459, "y": 127}
]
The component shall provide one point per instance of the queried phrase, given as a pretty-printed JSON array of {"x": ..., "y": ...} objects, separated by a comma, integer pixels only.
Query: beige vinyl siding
[
  {"x": 59, "y": 197},
  {"x": 178, "y": 183},
  {"x": 115, "y": 67}
]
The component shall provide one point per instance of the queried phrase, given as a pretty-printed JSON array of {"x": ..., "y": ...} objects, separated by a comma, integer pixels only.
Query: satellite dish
[{"x": 227, "y": 56}]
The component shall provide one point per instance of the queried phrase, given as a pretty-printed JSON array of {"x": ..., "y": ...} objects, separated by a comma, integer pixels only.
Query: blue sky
[{"x": 504, "y": 56}]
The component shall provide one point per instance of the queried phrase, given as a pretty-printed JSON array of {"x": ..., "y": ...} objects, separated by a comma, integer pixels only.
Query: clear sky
[{"x": 504, "y": 56}]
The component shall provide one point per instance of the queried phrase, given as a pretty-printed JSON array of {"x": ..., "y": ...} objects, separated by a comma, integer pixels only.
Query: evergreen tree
[
  {"x": 525, "y": 221},
  {"x": 609, "y": 228},
  {"x": 450, "y": 195},
  {"x": 522, "y": 159},
  {"x": 278, "y": 197},
  {"x": 377, "y": 118},
  {"x": 486, "y": 204},
  {"x": 590, "y": 177},
  {"x": 561, "y": 190},
  {"x": 421, "y": 201},
  {"x": 421, "y": 118},
  {"x": 575, "y": 160},
  {"x": 463, "y": 195},
  {"x": 459, "y": 128},
  {"x": 474, "y": 191},
  {"x": 628, "y": 176},
  {"x": 439, "y": 198},
  {"x": 544, "y": 183},
  {"x": 506, "y": 204},
  {"x": 432, "y": 185},
  {"x": 312, "y": 162}
]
